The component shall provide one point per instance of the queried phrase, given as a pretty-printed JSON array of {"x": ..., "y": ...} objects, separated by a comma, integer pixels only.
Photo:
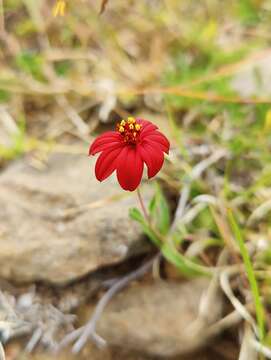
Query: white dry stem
[
  {"x": 91, "y": 326},
  {"x": 266, "y": 351},
  {"x": 89, "y": 330},
  {"x": 225, "y": 285},
  {"x": 259, "y": 213},
  {"x": 211, "y": 293},
  {"x": 247, "y": 352},
  {"x": 195, "y": 174},
  {"x": 205, "y": 198},
  {"x": 68, "y": 339},
  {"x": 204, "y": 164},
  {"x": 210, "y": 296},
  {"x": 196, "y": 248},
  {"x": 107, "y": 89},
  {"x": 8, "y": 122},
  {"x": 192, "y": 213},
  {"x": 201, "y": 201},
  {"x": 74, "y": 117},
  {"x": 35, "y": 338},
  {"x": 217, "y": 328},
  {"x": 181, "y": 206},
  {"x": 227, "y": 322}
]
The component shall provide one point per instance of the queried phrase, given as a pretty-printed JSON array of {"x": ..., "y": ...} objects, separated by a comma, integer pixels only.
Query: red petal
[
  {"x": 107, "y": 146},
  {"x": 155, "y": 144},
  {"x": 130, "y": 168},
  {"x": 108, "y": 137},
  {"x": 107, "y": 163},
  {"x": 146, "y": 126},
  {"x": 159, "y": 138},
  {"x": 153, "y": 157}
]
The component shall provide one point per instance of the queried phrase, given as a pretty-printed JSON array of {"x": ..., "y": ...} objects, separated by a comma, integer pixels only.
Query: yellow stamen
[
  {"x": 121, "y": 129},
  {"x": 137, "y": 127},
  {"x": 131, "y": 120},
  {"x": 123, "y": 123},
  {"x": 131, "y": 126}
]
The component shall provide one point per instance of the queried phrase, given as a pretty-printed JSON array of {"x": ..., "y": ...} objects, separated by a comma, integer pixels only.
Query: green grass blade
[{"x": 250, "y": 274}]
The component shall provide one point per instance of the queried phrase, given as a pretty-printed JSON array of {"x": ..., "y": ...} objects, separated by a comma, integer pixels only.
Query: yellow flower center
[{"x": 129, "y": 129}]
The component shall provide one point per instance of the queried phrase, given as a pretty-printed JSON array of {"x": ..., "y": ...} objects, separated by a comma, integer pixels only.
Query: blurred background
[{"x": 200, "y": 70}]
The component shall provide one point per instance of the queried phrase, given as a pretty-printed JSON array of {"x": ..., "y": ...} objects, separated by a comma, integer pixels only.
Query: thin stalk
[{"x": 141, "y": 202}]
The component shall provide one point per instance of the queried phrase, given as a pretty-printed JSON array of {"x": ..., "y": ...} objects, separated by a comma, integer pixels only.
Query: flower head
[{"x": 135, "y": 142}]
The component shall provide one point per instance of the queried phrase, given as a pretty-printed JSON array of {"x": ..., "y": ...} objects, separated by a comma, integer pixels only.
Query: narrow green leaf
[
  {"x": 159, "y": 211},
  {"x": 136, "y": 215},
  {"x": 185, "y": 265},
  {"x": 250, "y": 274}
]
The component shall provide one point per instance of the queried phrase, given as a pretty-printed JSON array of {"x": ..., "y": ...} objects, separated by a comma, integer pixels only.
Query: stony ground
[
  {"x": 64, "y": 235},
  {"x": 201, "y": 72}
]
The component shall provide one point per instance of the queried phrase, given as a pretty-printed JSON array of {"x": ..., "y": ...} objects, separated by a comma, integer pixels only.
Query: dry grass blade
[
  {"x": 192, "y": 213},
  {"x": 226, "y": 287},
  {"x": 247, "y": 352},
  {"x": 2, "y": 18},
  {"x": 103, "y": 6},
  {"x": 197, "y": 95},
  {"x": 71, "y": 212},
  {"x": 262, "y": 349},
  {"x": 196, "y": 172},
  {"x": 35, "y": 338},
  {"x": 259, "y": 213},
  {"x": 225, "y": 233},
  {"x": 7, "y": 120},
  {"x": 231, "y": 69},
  {"x": 73, "y": 116}
]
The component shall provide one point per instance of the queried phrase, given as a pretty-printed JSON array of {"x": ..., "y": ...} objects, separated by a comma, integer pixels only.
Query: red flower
[{"x": 135, "y": 142}]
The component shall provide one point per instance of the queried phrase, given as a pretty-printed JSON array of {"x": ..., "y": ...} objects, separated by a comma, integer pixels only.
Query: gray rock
[
  {"x": 160, "y": 319},
  {"x": 60, "y": 223}
]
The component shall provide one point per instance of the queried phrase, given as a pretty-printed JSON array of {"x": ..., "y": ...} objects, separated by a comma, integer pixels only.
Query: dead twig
[
  {"x": 73, "y": 116},
  {"x": 89, "y": 330},
  {"x": 35, "y": 338}
]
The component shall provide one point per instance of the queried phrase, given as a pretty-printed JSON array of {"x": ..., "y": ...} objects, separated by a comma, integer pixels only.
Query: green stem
[{"x": 141, "y": 202}]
